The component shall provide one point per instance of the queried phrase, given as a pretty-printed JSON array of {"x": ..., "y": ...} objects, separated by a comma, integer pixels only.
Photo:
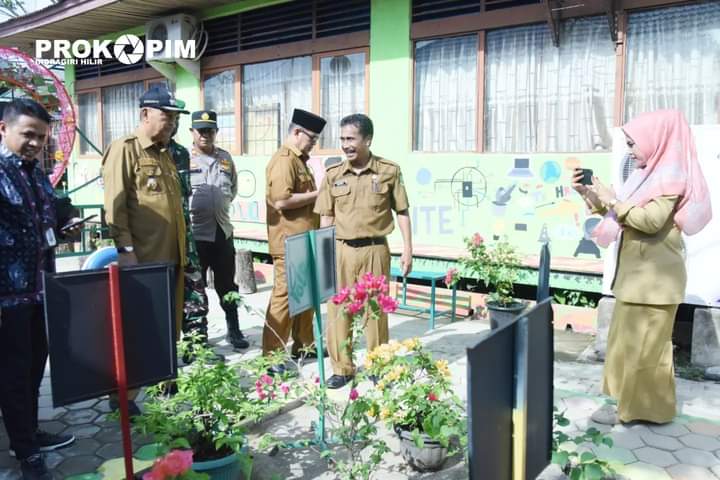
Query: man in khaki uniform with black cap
[
  {"x": 290, "y": 193},
  {"x": 143, "y": 199},
  {"x": 358, "y": 196}
]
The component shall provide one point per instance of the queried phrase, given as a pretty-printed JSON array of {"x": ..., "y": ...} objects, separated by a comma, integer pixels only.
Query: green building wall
[{"x": 452, "y": 195}]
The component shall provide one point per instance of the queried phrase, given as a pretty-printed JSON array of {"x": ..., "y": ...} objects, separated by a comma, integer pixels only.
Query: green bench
[{"x": 433, "y": 278}]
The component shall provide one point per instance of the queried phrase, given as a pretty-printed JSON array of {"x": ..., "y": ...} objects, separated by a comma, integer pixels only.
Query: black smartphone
[
  {"x": 587, "y": 175},
  {"x": 70, "y": 225}
]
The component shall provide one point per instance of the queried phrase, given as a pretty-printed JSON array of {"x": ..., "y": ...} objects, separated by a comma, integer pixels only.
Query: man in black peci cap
[
  {"x": 143, "y": 197},
  {"x": 214, "y": 185},
  {"x": 290, "y": 193}
]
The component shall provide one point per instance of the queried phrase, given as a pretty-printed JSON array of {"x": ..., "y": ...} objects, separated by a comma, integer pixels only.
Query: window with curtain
[
  {"x": 271, "y": 91},
  {"x": 541, "y": 98},
  {"x": 219, "y": 96},
  {"x": 342, "y": 92},
  {"x": 88, "y": 122},
  {"x": 120, "y": 110},
  {"x": 673, "y": 61},
  {"x": 445, "y": 104}
]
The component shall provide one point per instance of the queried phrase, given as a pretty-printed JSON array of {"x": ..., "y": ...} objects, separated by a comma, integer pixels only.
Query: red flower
[
  {"x": 361, "y": 293},
  {"x": 178, "y": 462},
  {"x": 354, "y": 395},
  {"x": 477, "y": 240},
  {"x": 387, "y": 304},
  {"x": 432, "y": 397}
]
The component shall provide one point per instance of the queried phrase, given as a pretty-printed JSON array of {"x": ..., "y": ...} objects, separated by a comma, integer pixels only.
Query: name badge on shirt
[
  {"x": 375, "y": 184},
  {"x": 340, "y": 183},
  {"x": 50, "y": 237}
]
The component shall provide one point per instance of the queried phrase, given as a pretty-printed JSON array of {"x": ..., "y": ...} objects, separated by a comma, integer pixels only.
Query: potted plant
[
  {"x": 497, "y": 266},
  {"x": 417, "y": 401},
  {"x": 208, "y": 413}
]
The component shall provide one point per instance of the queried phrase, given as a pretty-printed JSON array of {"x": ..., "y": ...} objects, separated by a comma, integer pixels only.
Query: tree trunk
[{"x": 244, "y": 272}]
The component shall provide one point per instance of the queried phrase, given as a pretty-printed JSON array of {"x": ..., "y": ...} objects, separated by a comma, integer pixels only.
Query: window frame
[
  {"x": 98, "y": 93},
  {"x": 237, "y": 149}
]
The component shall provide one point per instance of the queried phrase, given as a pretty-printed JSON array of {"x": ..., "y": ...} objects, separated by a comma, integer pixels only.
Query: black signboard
[{"x": 77, "y": 315}]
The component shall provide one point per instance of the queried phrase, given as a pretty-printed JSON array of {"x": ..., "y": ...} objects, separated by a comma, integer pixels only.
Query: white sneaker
[{"x": 605, "y": 415}]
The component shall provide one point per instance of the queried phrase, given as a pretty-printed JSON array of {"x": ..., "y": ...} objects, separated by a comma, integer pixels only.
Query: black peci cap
[
  {"x": 308, "y": 120},
  {"x": 158, "y": 97},
  {"x": 204, "y": 119}
]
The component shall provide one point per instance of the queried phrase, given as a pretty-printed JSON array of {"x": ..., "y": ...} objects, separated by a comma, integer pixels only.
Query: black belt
[{"x": 364, "y": 242}]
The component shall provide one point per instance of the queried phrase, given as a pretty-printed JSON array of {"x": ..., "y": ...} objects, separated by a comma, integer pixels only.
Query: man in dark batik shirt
[{"x": 29, "y": 219}]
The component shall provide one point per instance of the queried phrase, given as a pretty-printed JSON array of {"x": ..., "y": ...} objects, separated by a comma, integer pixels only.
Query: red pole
[{"x": 120, "y": 374}]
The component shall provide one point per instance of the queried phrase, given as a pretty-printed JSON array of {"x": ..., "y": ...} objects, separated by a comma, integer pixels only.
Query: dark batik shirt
[{"x": 27, "y": 211}]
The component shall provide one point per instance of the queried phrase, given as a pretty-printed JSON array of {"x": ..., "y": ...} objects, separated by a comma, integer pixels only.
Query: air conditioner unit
[{"x": 173, "y": 32}]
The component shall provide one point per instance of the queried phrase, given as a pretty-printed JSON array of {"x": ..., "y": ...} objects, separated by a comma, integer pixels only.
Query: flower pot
[
  {"x": 429, "y": 458},
  {"x": 501, "y": 315},
  {"x": 226, "y": 468}
]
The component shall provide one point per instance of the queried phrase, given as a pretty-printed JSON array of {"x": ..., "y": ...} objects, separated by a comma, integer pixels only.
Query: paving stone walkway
[{"x": 688, "y": 448}]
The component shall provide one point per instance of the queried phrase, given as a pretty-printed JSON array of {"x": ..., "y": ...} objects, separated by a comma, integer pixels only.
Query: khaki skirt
[{"x": 639, "y": 370}]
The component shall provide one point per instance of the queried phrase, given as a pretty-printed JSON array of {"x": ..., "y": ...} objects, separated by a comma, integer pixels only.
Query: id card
[{"x": 50, "y": 237}]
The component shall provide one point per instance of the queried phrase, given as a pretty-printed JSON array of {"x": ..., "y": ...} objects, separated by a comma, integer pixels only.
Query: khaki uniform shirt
[
  {"x": 362, "y": 203},
  {"x": 651, "y": 257},
  {"x": 287, "y": 173},
  {"x": 214, "y": 185},
  {"x": 143, "y": 199}
]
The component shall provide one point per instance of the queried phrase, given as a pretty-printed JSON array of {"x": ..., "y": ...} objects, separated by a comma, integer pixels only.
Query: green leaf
[
  {"x": 587, "y": 457},
  {"x": 593, "y": 471},
  {"x": 560, "y": 458},
  {"x": 607, "y": 441},
  {"x": 563, "y": 422}
]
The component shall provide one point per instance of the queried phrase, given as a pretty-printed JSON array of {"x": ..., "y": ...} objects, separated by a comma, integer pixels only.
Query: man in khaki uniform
[
  {"x": 143, "y": 199},
  {"x": 290, "y": 193},
  {"x": 358, "y": 196}
]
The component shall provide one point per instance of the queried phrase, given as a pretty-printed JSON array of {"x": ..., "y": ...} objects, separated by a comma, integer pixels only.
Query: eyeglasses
[
  {"x": 313, "y": 137},
  {"x": 630, "y": 143}
]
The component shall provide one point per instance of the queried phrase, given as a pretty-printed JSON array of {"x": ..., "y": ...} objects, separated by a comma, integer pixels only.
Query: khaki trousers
[
  {"x": 278, "y": 323},
  {"x": 639, "y": 371},
  {"x": 353, "y": 263}
]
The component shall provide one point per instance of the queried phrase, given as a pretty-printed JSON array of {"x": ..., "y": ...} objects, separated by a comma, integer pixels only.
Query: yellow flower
[
  {"x": 411, "y": 344},
  {"x": 385, "y": 413},
  {"x": 372, "y": 411},
  {"x": 381, "y": 385},
  {"x": 442, "y": 366}
]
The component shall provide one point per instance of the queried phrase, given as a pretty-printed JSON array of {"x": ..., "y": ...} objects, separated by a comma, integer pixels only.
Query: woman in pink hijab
[{"x": 666, "y": 195}]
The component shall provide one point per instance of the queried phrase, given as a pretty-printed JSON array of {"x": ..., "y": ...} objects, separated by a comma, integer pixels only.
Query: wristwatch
[{"x": 129, "y": 249}]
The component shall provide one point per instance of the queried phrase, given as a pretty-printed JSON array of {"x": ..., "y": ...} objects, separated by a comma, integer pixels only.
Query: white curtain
[
  {"x": 271, "y": 91},
  {"x": 342, "y": 92},
  {"x": 219, "y": 96},
  {"x": 673, "y": 61},
  {"x": 445, "y": 104},
  {"x": 541, "y": 98},
  {"x": 88, "y": 122},
  {"x": 120, "y": 110}
]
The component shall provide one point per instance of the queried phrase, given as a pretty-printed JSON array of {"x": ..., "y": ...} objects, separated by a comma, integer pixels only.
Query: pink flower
[
  {"x": 285, "y": 388},
  {"x": 354, "y": 395},
  {"x": 432, "y": 397},
  {"x": 266, "y": 379},
  {"x": 361, "y": 293},
  {"x": 153, "y": 475},
  {"x": 354, "y": 308},
  {"x": 261, "y": 395},
  {"x": 178, "y": 462},
  {"x": 387, "y": 304},
  {"x": 258, "y": 384},
  {"x": 477, "y": 240},
  {"x": 317, "y": 380},
  {"x": 450, "y": 276},
  {"x": 341, "y": 297}
]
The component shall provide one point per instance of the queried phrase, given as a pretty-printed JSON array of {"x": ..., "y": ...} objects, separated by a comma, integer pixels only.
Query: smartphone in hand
[
  {"x": 74, "y": 224},
  {"x": 587, "y": 175}
]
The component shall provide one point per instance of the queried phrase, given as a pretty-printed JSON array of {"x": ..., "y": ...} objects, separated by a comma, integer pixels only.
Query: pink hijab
[{"x": 671, "y": 168}]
